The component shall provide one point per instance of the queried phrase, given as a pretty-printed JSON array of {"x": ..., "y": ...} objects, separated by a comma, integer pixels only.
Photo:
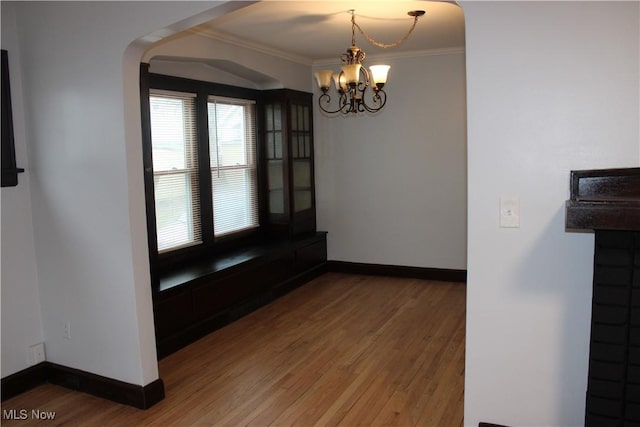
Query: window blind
[
  {"x": 175, "y": 169},
  {"x": 232, "y": 148}
]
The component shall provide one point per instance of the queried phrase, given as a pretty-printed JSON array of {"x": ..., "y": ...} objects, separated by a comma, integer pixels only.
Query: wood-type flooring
[{"x": 342, "y": 350}]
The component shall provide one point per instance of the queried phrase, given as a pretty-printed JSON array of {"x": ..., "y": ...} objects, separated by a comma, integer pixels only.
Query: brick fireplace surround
[{"x": 608, "y": 202}]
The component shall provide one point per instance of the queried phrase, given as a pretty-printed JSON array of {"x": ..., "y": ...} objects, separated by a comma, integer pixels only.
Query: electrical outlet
[
  {"x": 36, "y": 354},
  {"x": 67, "y": 330}
]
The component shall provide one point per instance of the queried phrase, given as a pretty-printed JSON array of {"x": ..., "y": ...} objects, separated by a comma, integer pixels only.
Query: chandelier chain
[
  {"x": 353, "y": 28},
  {"x": 374, "y": 42}
]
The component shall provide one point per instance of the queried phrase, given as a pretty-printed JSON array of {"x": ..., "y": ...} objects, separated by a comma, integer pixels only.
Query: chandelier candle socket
[{"x": 354, "y": 79}]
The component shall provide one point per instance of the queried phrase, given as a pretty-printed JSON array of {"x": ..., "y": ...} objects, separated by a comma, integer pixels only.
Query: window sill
[{"x": 228, "y": 263}]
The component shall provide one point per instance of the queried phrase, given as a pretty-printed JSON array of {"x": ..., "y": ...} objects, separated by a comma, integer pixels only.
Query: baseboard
[
  {"x": 299, "y": 280},
  {"x": 24, "y": 380},
  {"x": 490, "y": 425},
  {"x": 441, "y": 274},
  {"x": 141, "y": 397}
]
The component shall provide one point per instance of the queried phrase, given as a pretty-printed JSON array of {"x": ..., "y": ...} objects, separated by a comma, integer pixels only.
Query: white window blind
[
  {"x": 232, "y": 148},
  {"x": 175, "y": 169}
]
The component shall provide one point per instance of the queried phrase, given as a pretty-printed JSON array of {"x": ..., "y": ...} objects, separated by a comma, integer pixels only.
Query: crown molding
[
  {"x": 397, "y": 55},
  {"x": 236, "y": 41},
  {"x": 303, "y": 60}
]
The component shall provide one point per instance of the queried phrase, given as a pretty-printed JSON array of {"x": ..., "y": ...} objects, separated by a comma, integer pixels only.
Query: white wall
[
  {"x": 81, "y": 108},
  {"x": 198, "y": 71},
  {"x": 551, "y": 87},
  {"x": 265, "y": 70},
  {"x": 391, "y": 188},
  {"x": 21, "y": 318}
]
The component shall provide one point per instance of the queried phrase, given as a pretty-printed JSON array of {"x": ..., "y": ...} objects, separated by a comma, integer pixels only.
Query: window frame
[
  {"x": 250, "y": 153},
  {"x": 168, "y": 259},
  {"x": 190, "y": 171}
]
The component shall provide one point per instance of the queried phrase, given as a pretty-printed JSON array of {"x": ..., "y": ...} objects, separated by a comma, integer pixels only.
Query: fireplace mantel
[{"x": 605, "y": 199}]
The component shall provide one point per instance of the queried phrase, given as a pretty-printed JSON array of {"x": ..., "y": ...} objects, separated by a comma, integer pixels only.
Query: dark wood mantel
[
  {"x": 605, "y": 199},
  {"x": 608, "y": 202}
]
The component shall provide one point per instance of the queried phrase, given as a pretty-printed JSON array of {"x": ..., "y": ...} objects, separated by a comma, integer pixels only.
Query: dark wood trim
[
  {"x": 442, "y": 274},
  {"x": 204, "y": 168},
  {"x": 602, "y": 216},
  {"x": 147, "y": 158},
  {"x": 605, "y": 184},
  {"x": 24, "y": 380},
  {"x": 152, "y": 393},
  {"x": 181, "y": 84},
  {"x": 604, "y": 199},
  {"x": 141, "y": 397},
  {"x": 490, "y": 425},
  {"x": 9, "y": 169},
  {"x": 190, "y": 334},
  {"x": 299, "y": 280}
]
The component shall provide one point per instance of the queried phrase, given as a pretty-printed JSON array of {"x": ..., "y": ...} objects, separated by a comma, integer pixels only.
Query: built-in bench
[{"x": 197, "y": 298}]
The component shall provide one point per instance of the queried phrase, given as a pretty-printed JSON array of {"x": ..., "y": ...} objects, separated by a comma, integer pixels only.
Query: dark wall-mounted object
[
  {"x": 608, "y": 202},
  {"x": 604, "y": 199},
  {"x": 9, "y": 169}
]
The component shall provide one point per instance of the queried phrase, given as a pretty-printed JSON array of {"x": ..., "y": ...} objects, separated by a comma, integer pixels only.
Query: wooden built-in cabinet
[
  {"x": 195, "y": 297},
  {"x": 192, "y": 302},
  {"x": 288, "y": 139}
]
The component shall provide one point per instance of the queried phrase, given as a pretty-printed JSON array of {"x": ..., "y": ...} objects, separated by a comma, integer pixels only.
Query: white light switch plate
[{"x": 509, "y": 212}]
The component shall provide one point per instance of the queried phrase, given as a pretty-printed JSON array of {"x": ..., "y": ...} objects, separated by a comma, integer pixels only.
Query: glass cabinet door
[
  {"x": 275, "y": 158},
  {"x": 288, "y": 155},
  {"x": 301, "y": 157}
]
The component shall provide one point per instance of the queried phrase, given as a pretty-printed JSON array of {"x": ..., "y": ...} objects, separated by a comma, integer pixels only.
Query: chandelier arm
[
  {"x": 327, "y": 99},
  {"x": 376, "y": 43},
  {"x": 350, "y": 103},
  {"x": 367, "y": 77},
  {"x": 379, "y": 97},
  {"x": 345, "y": 104}
]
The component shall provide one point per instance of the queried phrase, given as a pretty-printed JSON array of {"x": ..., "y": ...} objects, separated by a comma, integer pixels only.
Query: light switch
[{"x": 510, "y": 212}]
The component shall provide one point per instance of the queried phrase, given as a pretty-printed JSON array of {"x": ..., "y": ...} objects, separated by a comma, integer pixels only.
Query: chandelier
[{"x": 353, "y": 80}]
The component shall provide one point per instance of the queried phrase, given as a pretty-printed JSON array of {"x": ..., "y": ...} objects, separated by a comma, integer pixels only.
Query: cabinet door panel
[
  {"x": 213, "y": 297},
  {"x": 311, "y": 255},
  {"x": 172, "y": 314}
]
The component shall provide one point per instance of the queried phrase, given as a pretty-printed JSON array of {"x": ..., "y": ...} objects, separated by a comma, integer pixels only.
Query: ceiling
[{"x": 319, "y": 31}]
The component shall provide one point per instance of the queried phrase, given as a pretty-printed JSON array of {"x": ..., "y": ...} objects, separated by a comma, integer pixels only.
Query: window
[
  {"x": 232, "y": 151},
  {"x": 175, "y": 174},
  {"x": 205, "y": 183}
]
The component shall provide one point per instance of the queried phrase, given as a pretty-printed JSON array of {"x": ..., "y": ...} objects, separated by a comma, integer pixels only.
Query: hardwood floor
[{"x": 341, "y": 350}]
